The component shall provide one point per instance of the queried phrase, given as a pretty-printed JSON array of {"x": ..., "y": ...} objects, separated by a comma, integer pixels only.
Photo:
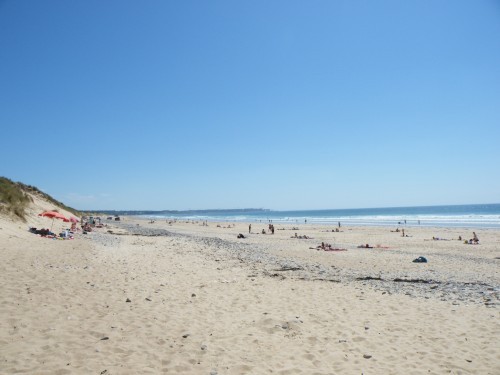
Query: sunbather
[{"x": 366, "y": 246}]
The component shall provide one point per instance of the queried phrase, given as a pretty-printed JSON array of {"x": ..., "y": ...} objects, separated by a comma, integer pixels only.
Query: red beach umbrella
[
  {"x": 54, "y": 215},
  {"x": 74, "y": 219}
]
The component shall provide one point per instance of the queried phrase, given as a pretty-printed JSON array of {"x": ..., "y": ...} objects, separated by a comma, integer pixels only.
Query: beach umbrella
[{"x": 54, "y": 215}]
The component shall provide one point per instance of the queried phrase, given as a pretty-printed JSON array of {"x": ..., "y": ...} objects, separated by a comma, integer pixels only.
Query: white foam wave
[{"x": 485, "y": 221}]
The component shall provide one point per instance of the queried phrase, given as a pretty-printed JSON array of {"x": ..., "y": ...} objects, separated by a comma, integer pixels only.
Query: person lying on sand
[
  {"x": 439, "y": 239},
  {"x": 327, "y": 247},
  {"x": 42, "y": 232},
  {"x": 323, "y": 246},
  {"x": 366, "y": 246}
]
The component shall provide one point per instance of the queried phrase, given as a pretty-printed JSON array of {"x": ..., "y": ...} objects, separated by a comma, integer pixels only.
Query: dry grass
[
  {"x": 14, "y": 198},
  {"x": 35, "y": 191}
]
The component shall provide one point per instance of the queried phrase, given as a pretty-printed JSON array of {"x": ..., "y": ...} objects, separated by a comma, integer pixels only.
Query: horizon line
[{"x": 287, "y": 210}]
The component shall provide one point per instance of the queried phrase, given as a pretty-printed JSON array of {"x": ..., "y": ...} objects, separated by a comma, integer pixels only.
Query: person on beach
[
  {"x": 474, "y": 238},
  {"x": 249, "y": 228},
  {"x": 366, "y": 246}
]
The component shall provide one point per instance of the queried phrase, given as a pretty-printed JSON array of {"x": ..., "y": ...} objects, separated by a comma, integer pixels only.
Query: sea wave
[{"x": 471, "y": 220}]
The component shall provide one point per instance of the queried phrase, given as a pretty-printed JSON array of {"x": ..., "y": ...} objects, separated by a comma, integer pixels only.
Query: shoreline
[
  {"x": 460, "y": 216},
  {"x": 493, "y": 223}
]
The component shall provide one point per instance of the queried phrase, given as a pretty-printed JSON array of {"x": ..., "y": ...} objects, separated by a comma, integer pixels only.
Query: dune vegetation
[{"x": 15, "y": 198}]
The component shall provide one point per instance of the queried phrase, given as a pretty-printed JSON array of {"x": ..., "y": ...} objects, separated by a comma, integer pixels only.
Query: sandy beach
[{"x": 146, "y": 298}]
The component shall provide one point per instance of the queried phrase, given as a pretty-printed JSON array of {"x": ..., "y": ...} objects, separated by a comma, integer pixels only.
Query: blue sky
[{"x": 231, "y": 104}]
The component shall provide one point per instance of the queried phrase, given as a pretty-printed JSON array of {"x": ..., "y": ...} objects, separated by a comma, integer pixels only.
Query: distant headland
[{"x": 182, "y": 212}]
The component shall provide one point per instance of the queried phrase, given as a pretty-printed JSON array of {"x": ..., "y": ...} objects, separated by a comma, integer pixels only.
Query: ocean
[{"x": 466, "y": 216}]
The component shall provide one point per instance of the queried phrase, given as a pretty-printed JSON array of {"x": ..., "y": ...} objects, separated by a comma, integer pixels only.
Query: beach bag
[{"x": 420, "y": 260}]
